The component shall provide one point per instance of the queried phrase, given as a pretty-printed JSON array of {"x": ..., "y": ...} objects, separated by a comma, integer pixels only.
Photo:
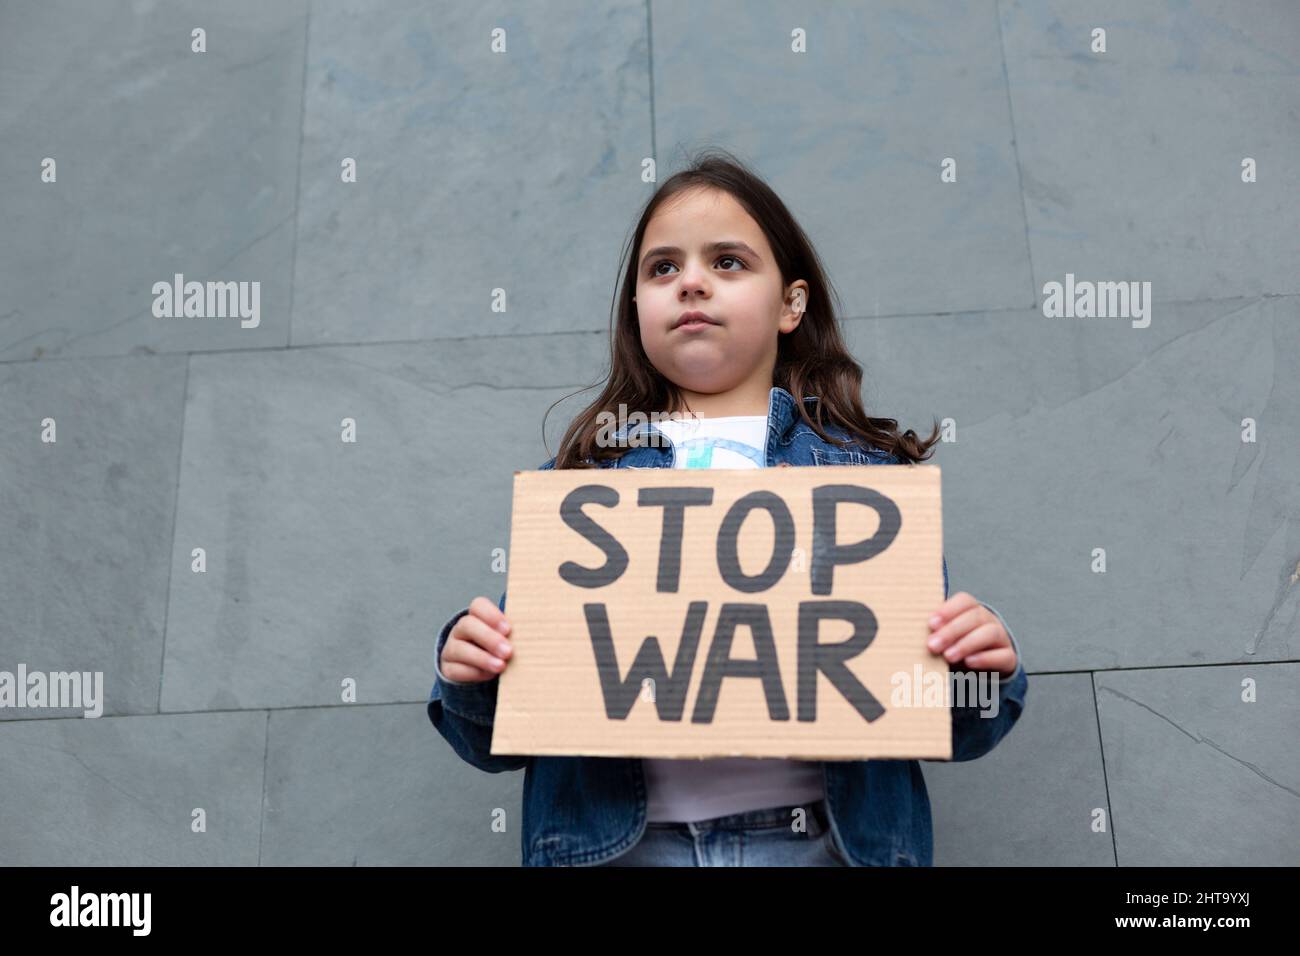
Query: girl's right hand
[{"x": 477, "y": 648}]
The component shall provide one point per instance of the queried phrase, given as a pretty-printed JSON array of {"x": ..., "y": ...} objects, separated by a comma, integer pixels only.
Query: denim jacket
[{"x": 581, "y": 811}]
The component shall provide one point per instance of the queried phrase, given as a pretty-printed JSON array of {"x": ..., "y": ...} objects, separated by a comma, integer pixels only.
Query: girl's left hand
[{"x": 963, "y": 629}]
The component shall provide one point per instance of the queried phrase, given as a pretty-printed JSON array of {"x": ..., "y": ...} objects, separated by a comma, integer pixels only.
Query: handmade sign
[{"x": 770, "y": 612}]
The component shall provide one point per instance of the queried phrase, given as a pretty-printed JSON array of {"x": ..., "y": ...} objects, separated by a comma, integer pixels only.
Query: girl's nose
[{"x": 694, "y": 279}]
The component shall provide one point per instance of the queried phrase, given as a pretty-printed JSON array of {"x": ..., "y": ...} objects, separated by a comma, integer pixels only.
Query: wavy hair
[{"x": 811, "y": 360}]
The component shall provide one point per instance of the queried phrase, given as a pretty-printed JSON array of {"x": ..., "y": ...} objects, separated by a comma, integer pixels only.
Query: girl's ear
[
  {"x": 796, "y": 305},
  {"x": 799, "y": 297},
  {"x": 796, "y": 296}
]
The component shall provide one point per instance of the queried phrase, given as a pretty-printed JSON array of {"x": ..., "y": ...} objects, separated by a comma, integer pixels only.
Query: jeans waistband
[{"x": 766, "y": 817}]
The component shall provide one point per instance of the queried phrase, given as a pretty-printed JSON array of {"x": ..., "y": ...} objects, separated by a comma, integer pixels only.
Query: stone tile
[
  {"x": 1032, "y": 800},
  {"x": 475, "y": 170},
  {"x": 852, "y": 133},
  {"x": 1131, "y": 159},
  {"x": 328, "y": 560},
  {"x": 86, "y": 521},
  {"x": 168, "y": 161},
  {"x": 121, "y": 791},
  {"x": 1076, "y": 434},
  {"x": 1198, "y": 777},
  {"x": 362, "y": 786}
]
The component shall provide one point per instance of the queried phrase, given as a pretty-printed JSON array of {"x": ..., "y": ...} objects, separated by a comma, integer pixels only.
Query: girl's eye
[{"x": 654, "y": 269}]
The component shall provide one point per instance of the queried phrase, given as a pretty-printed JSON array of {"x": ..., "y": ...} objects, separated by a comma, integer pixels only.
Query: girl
[{"x": 725, "y": 320}]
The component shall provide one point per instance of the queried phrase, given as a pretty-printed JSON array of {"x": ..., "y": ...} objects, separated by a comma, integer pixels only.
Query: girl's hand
[
  {"x": 477, "y": 649},
  {"x": 965, "y": 630}
]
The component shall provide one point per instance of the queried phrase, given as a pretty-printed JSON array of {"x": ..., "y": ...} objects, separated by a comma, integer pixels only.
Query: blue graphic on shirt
[{"x": 699, "y": 451}]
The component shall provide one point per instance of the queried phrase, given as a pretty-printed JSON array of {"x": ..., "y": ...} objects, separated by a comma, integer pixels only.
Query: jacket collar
[{"x": 781, "y": 415}]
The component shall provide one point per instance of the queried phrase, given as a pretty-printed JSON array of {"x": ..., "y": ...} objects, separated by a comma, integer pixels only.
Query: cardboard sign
[{"x": 768, "y": 612}]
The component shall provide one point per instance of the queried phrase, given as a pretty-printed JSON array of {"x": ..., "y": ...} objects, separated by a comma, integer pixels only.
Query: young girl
[{"x": 725, "y": 317}]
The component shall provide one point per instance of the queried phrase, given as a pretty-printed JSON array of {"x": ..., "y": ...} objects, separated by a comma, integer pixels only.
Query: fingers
[
  {"x": 959, "y": 614},
  {"x": 955, "y": 605},
  {"x": 477, "y": 650},
  {"x": 486, "y": 611},
  {"x": 1002, "y": 660},
  {"x": 985, "y": 637},
  {"x": 488, "y": 642},
  {"x": 966, "y": 631},
  {"x": 463, "y": 654},
  {"x": 464, "y": 673}
]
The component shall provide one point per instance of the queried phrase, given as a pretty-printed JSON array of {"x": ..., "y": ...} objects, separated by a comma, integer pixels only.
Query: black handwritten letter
[
  {"x": 826, "y": 553},
  {"x": 674, "y": 501},
  {"x": 782, "y": 545},
  {"x": 670, "y": 689},
  {"x": 721, "y": 664},
  {"x": 616, "y": 555},
  {"x": 830, "y": 658}
]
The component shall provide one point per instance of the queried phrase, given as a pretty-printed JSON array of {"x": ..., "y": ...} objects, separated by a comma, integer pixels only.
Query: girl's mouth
[{"x": 693, "y": 320}]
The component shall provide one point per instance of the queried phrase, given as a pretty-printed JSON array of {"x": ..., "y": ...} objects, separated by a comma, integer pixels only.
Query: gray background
[{"x": 523, "y": 171}]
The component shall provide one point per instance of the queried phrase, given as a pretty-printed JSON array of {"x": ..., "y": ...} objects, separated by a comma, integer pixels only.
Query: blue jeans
[{"x": 753, "y": 838}]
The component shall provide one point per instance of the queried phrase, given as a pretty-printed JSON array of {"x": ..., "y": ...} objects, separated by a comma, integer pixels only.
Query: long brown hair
[{"x": 811, "y": 360}]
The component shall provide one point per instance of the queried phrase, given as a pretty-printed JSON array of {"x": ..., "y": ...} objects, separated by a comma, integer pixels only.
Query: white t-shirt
[{"x": 690, "y": 789}]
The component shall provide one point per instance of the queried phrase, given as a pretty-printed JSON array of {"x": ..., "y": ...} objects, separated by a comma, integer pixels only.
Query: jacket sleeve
[
  {"x": 974, "y": 732},
  {"x": 463, "y": 712}
]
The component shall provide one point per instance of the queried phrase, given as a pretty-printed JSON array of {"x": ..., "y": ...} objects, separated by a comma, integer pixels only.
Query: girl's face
[{"x": 702, "y": 252}]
